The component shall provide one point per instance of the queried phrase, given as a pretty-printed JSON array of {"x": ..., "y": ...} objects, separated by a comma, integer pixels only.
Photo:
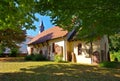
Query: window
[
  {"x": 40, "y": 52},
  {"x": 79, "y": 49},
  {"x": 53, "y": 47},
  {"x": 32, "y": 50}
]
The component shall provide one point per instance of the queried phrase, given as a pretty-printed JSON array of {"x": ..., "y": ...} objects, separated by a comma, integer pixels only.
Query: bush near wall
[
  {"x": 35, "y": 57},
  {"x": 2, "y": 55},
  {"x": 58, "y": 58},
  {"x": 115, "y": 56},
  {"x": 14, "y": 52}
]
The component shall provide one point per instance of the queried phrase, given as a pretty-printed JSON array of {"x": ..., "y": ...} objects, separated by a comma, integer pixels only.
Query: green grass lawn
[{"x": 51, "y": 71}]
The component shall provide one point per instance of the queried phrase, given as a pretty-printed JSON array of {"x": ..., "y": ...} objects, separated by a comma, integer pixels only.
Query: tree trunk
[
  {"x": 109, "y": 49},
  {"x": 91, "y": 48}
]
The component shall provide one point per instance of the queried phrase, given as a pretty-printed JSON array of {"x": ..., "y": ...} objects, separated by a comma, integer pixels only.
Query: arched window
[{"x": 79, "y": 49}]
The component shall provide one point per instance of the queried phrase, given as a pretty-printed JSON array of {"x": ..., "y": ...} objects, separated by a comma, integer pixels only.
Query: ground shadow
[{"x": 63, "y": 72}]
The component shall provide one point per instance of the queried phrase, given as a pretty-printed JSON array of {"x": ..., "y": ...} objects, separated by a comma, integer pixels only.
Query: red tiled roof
[{"x": 52, "y": 33}]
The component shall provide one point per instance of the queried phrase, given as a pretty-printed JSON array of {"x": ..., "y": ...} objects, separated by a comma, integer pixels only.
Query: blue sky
[{"x": 46, "y": 22}]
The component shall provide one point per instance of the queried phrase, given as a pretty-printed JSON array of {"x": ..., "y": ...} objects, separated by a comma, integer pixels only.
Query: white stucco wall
[
  {"x": 81, "y": 58},
  {"x": 85, "y": 57},
  {"x": 44, "y": 51},
  {"x": 47, "y": 47},
  {"x": 60, "y": 42},
  {"x": 29, "y": 50}
]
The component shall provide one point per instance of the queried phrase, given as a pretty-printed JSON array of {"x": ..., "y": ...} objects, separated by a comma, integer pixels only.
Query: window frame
[{"x": 79, "y": 49}]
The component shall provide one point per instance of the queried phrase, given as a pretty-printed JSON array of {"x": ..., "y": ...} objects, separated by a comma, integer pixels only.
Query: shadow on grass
[
  {"x": 12, "y": 59},
  {"x": 63, "y": 72}
]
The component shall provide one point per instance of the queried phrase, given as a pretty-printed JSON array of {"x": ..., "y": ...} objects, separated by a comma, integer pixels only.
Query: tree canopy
[
  {"x": 115, "y": 43},
  {"x": 15, "y": 17},
  {"x": 94, "y": 17},
  {"x": 17, "y": 13},
  {"x": 98, "y": 17},
  {"x": 10, "y": 37}
]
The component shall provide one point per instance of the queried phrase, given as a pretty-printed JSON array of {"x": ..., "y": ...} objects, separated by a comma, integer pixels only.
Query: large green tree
[
  {"x": 99, "y": 15},
  {"x": 17, "y": 13},
  {"x": 95, "y": 17},
  {"x": 15, "y": 17}
]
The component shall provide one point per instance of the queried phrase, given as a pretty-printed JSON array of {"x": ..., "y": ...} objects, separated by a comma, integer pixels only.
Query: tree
[
  {"x": 2, "y": 49},
  {"x": 10, "y": 37},
  {"x": 95, "y": 17},
  {"x": 115, "y": 47},
  {"x": 17, "y": 13},
  {"x": 115, "y": 43},
  {"x": 98, "y": 17},
  {"x": 15, "y": 17}
]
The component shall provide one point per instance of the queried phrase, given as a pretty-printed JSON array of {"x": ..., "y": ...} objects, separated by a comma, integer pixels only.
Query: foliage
[
  {"x": 1, "y": 55},
  {"x": 35, "y": 57},
  {"x": 93, "y": 17},
  {"x": 10, "y": 37},
  {"x": 58, "y": 58},
  {"x": 109, "y": 64},
  {"x": 38, "y": 57},
  {"x": 29, "y": 57},
  {"x": 114, "y": 55},
  {"x": 115, "y": 43},
  {"x": 17, "y": 13},
  {"x": 16, "y": 16},
  {"x": 2, "y": 49},
  {"x": 14, "y": 52}
]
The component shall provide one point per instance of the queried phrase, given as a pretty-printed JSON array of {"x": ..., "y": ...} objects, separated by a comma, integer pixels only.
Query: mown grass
[{"x": 51, "y": 71}]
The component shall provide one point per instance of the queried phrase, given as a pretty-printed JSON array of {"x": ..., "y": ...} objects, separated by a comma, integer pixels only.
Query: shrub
[
  {"x": 29, "y": 57},
  {"x": 14, "y": 52},
  {"x": 115, "y": 55},
  {"x": 35, "y": 57},
  {"x": 38, "y": 57},
  {"x": 2, "y": 49},
  {"x": 58, "y": 58},
  {"x": 109, "y": 64},
  {"x": 2, "y": 55}
]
